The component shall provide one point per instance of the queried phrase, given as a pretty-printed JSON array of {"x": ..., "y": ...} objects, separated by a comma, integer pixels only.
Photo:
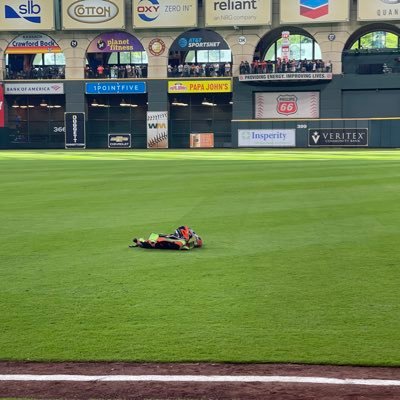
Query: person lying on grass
[{"x": 184, "y": 238}]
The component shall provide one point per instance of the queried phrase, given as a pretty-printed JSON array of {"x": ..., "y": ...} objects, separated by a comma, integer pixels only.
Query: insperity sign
[{"x": 93, "y": 14}]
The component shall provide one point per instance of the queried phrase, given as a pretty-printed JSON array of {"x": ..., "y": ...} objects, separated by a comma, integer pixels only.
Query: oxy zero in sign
[{"x": 286, "y": 104}]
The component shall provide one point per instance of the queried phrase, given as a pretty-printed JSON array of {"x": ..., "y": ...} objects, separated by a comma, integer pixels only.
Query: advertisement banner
[
  {"x": 27, "y": 15},
  {"x": 338, "y": 137},
  {"x": 290, "y": 76},
  {"x": 314, "y": 11},
  {"x": 119, "y": 141},
  {"x": 378, "y": 10},
  {"x": 110, "y": 42},
  {"x": 201, "y": 140},
  {"x": 75, "y": 130},
  {"x": 287, "y": 105},
  {"x": 123, "y": 87},
  {"x": 157, "y": 130},
  {"x": 33, "y": 43},
  {"x": 199, "y": 39},
  {"x": 266, "y": 137},
  {"x": 200, "y": 86},
  {"x": 93, "y": 14},
  {"x": 156, "y": 14},
  {"x": 1, "y": 106},
  {"x": 238, "y": 12},
  {"x": 34, "y": 88}
]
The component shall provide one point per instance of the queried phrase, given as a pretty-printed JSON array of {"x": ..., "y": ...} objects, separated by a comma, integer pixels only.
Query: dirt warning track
[{"x": 196, "y": 381}]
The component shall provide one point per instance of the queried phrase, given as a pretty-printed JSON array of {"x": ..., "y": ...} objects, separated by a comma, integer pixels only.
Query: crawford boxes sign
[{"x": 340, "y": 137}]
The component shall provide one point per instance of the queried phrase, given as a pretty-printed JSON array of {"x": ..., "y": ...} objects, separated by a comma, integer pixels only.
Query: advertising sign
[
  {"x": 199, "y": 39},
  {"x": 115, "y": 42},
  {"x": 287, "y": 105},
  {"x": 1, "y": 106},
  {"x": 93, "y": 14},
  {"x": 238, "y": 12},
  {"x": 115, "y": 87},
  {"x": 157, "y": 130},
  {"x": 200, "y": 86},
  {"x": 267, "y": 138},
  {"x": 302, "y": 76},
  {"x": 285, "y": 47},
  {"x": 27, "y": 15},
  {"x": 33, "y": 43},
  {"x": 75, "y": 130},
  {"x": 119, "y": 141},
  {"x": 201, "y": 140},
  {"x": 378, "y": 10},
  {"x": 156, "y": 14},
  {"x": 338, "y": 137},
  {"x": 314, "y": 11},
  {"x": 34, "y": 88}
]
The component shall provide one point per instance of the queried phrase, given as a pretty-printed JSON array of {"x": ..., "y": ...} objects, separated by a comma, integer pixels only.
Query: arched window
[
  {"x": 301, "y": 47},
  {"x": 377, "y": 40}
]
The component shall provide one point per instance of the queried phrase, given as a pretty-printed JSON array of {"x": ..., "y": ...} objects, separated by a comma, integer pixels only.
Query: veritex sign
[
  {"x": 237, "y": 12},
  {"x": 338, "y": 137}
]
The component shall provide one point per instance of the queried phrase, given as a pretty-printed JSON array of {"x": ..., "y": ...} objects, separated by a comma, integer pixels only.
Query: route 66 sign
[{"x": 287, "y": 104}]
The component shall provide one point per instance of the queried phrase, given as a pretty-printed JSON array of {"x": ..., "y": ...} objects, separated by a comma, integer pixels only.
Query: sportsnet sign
[
  {"x": 338, "y": 137},
  {"x": 267, "y": 138},
  {"x": 155, "y": 14},
  {"x": 26, "y": 15}
]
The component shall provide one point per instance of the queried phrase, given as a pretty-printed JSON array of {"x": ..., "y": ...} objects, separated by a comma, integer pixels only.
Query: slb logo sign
[{"x": 28, "y": 10}]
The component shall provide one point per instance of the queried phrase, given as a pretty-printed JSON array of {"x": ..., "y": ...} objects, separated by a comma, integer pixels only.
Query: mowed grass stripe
[{"x": 300, "y": 261}]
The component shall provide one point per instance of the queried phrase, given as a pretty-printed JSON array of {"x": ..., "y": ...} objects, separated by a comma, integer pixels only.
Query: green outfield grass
[{"x": 301, "y": 260}]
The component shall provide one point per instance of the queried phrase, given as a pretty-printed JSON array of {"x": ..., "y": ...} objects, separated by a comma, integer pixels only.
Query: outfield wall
[{"x": 363, "y": 133}]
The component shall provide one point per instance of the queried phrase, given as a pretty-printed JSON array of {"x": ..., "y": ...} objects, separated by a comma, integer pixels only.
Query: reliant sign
[
  {"x": 93, "y": 14},
  {"x": 267, "y": 138},
  {"x": 34, "y": 88},
  {"x": 156, "y": 14},
  {"x": 378, "y": 10},
  {"x": 314, "y": 11},
  {"x": 238, "y": 12},
  {"x": 338, "y": 137},
  {"x": 200, "y": 86},
  {"x": 27, "y": 15}
]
